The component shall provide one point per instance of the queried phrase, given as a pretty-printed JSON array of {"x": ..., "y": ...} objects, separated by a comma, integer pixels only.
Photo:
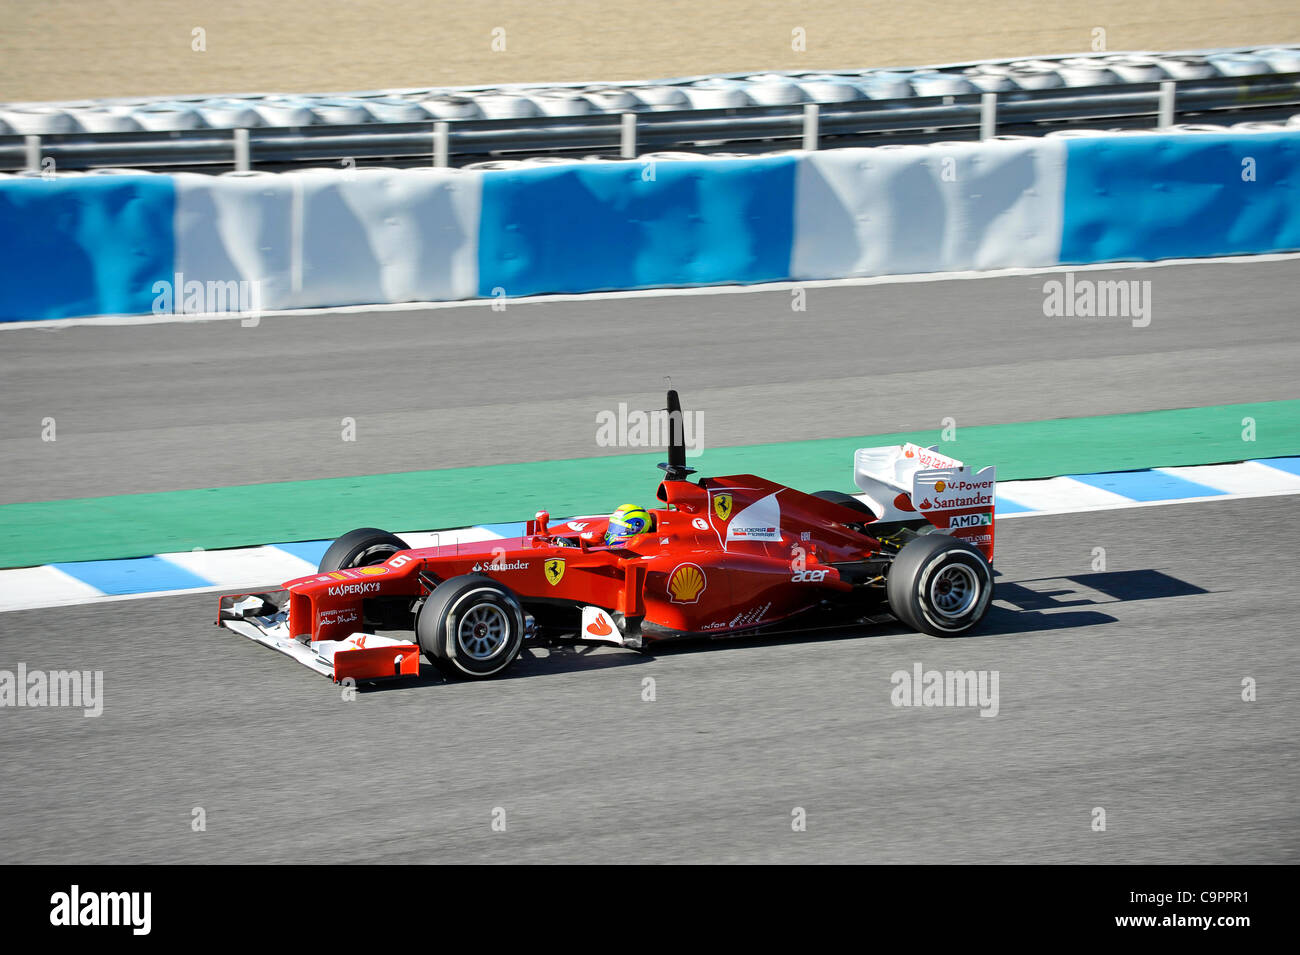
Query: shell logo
[
  {"x": 686, "y": 583},
  {"x": 939, "y": 486},
  {"x": 372, "y": 571}
]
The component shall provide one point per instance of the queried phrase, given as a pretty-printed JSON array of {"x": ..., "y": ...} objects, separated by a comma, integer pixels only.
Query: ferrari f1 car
[{"x": 723, "y": 556}]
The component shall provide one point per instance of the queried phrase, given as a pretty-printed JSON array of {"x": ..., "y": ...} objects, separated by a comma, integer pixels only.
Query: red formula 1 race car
[{"x": 721, "y": 556}]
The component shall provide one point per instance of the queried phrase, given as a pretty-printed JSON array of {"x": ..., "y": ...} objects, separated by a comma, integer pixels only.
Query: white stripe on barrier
[
  {"x": 942, "y": 207},
  {"x": 322, "y": 237}
]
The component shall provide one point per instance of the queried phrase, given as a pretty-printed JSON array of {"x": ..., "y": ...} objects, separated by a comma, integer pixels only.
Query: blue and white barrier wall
[{"x": 81, "y": 245}]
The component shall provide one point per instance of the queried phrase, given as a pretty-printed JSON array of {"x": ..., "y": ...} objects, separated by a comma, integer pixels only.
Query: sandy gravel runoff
[{"x": 69, "y": 49}]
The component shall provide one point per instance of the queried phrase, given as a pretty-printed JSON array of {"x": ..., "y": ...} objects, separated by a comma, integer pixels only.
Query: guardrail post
[
  {"x": 627, "y": 139},
  {"x": 1166, "y": 104},
  {"x": 811, "y": 115},
  {"x": 33, "y": 144},
  {"x": 442, "y": 144},
  {"x": 988, "y": 115},
  {"x": 241, "y": 150}
]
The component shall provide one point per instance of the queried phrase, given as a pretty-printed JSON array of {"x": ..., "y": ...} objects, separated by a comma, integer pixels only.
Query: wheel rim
[
  {"x": 954, "y": 590},
  {"x": 371, "y": 556},
  {"x": 482, "y": 631}
]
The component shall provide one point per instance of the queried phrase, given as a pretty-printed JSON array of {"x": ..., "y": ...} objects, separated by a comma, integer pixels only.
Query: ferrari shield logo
[
  {"x": 722, "y": 506},
  {"x": 554, "y": 570}
]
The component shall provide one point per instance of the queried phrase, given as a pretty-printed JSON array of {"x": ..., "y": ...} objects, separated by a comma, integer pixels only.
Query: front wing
[{"x": 362, "y": 656}]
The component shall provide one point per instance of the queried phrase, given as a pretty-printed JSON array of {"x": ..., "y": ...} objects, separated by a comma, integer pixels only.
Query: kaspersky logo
[
  {"x": 722, "y": 506},
  {"x": 554, "y": 570}
]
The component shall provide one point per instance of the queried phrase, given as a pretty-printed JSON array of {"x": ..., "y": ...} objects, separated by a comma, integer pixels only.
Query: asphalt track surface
[
  {"x": 206, "y": 404},
  {"x": 1119, "y": 690}
]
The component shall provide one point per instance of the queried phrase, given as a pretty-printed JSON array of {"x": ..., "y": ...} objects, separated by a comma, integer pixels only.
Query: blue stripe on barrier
[
  {"x": 1147, "y": 485},
  {"x": 586, "y": 227},
  {"x": 134, "y": 576},
  {"x": 1180, "y": 195},
  {"x": 87, "y": 245}
]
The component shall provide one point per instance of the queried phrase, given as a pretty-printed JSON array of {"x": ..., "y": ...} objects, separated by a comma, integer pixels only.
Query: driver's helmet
[{"x": 626, "y": 522}]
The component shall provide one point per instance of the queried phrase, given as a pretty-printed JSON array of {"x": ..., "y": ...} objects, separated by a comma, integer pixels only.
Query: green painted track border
[{"x": 134, "y": 525}]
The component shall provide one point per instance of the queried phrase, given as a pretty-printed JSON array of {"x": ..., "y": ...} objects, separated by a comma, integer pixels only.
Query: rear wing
[{"x": 906, "y": 482}]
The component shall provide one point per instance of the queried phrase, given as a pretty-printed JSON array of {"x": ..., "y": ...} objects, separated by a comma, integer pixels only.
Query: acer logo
[{"x": 809, "y": 577}]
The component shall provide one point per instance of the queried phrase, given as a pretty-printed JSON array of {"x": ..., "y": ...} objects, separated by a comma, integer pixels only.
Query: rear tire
[
  {"x": 361, "y": 548},
  {"x": 471, "y": 627},
  {"x": 939, "y": 585},
  {"x": 846, "y": 500}
]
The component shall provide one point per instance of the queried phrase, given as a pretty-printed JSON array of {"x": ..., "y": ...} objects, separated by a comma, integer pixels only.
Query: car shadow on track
[
  {"x": 1020, "y": 607},
  {"x": 1056, "y": 603}
]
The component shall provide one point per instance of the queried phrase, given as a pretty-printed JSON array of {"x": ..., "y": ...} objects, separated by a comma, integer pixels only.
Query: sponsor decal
[
  {"x": 716, "y": 625},
  {"x": 353, "y": 590},
  {"x": 760, "y": 521},
  {"x": 722, "y": 506},
  {"x": 332, "y": 618},
  {"x": 686, "y": 583},
  {"x": 939, "y": 486},
  {"x": 338, "y": 576},
  {"x": 925, "y": 505},
  {"x": 372, "y": 571},
  {"x": 750, "y": 617},
  {"x": 700, "y": 524},
  {"x": 929, "y": 459},
  {"x": 597, "y": 624},
  {"x": 579, "y": 525},
  {"x": 969, "y": 520},
  {"x": 809, "y": 577},
  {"x": 501, "y": 564},
  {"x": 554, "y": 570}
]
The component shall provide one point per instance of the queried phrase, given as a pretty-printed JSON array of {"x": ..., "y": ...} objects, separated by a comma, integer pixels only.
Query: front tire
[
  {"x": 939, "y": 585},
  {"x": 363, "y": 547},
  {"x": 471, "y": 627}
]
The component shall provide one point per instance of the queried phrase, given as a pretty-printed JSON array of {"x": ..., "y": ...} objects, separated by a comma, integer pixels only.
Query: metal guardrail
[{"x": 748, "y": 130}]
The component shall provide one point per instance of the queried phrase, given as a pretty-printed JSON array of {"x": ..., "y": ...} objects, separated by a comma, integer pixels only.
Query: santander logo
[{"x": 600, "y": 627}]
